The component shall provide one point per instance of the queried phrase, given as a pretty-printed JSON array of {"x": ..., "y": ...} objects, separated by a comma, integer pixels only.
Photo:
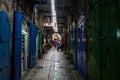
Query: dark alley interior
[{"x": 59, "y": 39}]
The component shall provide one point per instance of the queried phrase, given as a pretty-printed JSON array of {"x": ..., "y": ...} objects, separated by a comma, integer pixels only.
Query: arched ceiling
[{"x": 62, "y": 7}]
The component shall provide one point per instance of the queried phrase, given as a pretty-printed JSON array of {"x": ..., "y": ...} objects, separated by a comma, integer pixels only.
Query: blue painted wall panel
[
  {"x": 1, "y": 73},
  {"x": 17, "y": 68},
  {"x": 1, "y": 56},
  {"x": 79, "y": 60},
  {"x": 5, "y": 73},
  {"x": 32, "y": 49},
  {"x": 17, "y": 47},
  {"x": 5, "y": 35},
  {"x": 1, "y": 61},
  {"x": 18, "y": 24},
  {"x": 84, "y": 72},
  {"x": 81, "y": 50},
  {"x": 6, "y": 53},
  {"x": 4, "y": 22},
  {"x": 17, "y": 32}
]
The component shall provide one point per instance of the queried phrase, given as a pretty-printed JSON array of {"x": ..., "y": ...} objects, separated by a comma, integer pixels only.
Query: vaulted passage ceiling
[{"x": 62, "y": 7}]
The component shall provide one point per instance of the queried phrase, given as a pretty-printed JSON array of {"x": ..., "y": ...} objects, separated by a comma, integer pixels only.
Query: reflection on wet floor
[{"x": 54, "y": 66}]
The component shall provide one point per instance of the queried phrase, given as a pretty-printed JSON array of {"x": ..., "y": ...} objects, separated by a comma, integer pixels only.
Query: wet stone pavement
[{"x": 54, "y": 66}]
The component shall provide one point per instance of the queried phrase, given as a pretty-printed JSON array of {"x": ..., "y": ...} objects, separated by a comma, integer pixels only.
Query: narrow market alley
[
  {"x": 53, "y": 66},
  {"x": 59, "y": 39}
]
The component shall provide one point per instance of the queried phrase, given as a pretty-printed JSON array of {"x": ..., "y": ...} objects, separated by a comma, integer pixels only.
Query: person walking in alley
[
  {"x": 58, "y": 45},
  {"x": 55, "y": 44}
]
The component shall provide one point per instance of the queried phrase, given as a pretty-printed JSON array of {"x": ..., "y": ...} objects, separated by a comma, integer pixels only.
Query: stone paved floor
[{"x": 54, "y": 66}]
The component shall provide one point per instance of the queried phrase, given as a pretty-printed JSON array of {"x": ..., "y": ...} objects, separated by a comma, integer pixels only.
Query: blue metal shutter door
[
  {"x": 4, "y": 45},
  {"x": 32, "y": 49},
  {"x": 17, "y": 43}
]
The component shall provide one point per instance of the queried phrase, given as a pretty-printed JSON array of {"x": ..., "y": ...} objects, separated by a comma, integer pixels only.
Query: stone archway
[
  {"x": 4, "y": 6},
  {"x": 7, "y": 6},
  {"x": 56, "y": 35}
]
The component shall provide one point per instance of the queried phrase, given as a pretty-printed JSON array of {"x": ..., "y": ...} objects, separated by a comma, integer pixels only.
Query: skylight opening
[{"x": 54, "y": 16}]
